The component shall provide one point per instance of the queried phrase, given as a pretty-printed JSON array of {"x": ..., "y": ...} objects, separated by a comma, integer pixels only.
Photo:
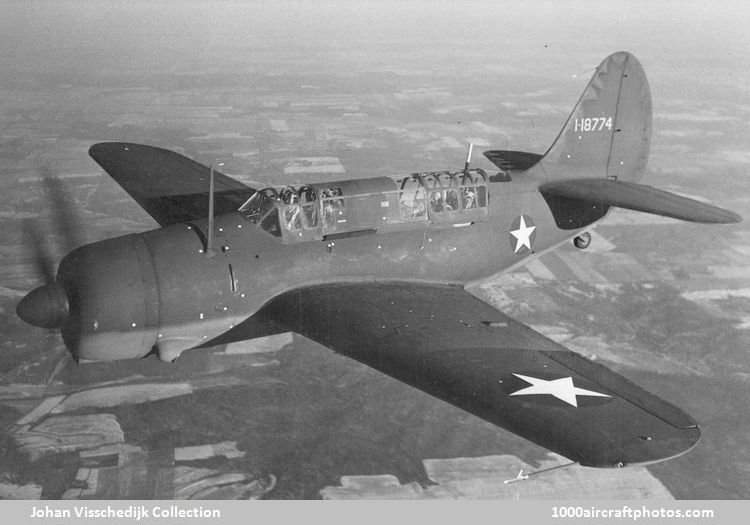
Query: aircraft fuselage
[{"x": 172, "y": 295}]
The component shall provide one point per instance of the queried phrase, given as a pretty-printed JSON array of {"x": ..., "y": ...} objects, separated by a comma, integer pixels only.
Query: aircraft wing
[
  {"x": 170, "y": 187},
  {"x": 450, "y": 344}
]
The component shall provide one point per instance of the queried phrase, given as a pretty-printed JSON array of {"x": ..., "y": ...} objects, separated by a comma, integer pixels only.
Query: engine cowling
[
  {"x": 113, "y": 299},
  {"x": 123, "y": 297}
]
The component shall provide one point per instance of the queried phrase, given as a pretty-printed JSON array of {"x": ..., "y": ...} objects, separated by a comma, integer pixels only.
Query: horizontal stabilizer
[
  {"x": 639, "y": 197},
  {"x": 512, "y": 160}
]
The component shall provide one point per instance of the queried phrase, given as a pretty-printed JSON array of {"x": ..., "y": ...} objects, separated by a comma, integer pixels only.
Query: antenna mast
[
  {"x": 210, "y": 237},
  {"x": 468, "y": 156}
]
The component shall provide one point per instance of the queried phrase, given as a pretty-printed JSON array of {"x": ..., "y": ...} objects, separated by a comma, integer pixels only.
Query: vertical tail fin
[
  {"x": 609, "y": 132},
  {"x": 601, "y": 153}
]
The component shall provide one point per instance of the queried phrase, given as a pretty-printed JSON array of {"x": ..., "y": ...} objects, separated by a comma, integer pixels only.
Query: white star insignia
[
  {"x": 522, "y": 235},
  {"x": 563, "y": 389}
]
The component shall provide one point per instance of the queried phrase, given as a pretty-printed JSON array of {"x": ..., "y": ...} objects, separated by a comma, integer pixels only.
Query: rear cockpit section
[
  {"x": 456, "y": 195},
  {"x": 349, "y": 208}
]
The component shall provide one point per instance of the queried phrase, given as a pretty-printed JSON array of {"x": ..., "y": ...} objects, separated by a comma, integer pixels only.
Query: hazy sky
[
  {"x": 693, "y": 51},
  {"x": 160, "y": 31}
]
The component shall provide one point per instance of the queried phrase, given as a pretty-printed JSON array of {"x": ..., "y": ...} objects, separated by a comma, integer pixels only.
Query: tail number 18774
[{"x": 593, "y": 123}]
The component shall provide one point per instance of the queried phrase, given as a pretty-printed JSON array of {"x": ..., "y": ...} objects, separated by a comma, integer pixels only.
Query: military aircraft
[{"x": 377, "y": 269}]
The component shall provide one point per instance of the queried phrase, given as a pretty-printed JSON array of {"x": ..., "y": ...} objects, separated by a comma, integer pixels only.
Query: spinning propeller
[{"x": 48, "y": 306}]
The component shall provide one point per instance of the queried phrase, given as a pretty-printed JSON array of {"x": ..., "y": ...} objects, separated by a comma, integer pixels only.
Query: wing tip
[
  {"x": 688, "y": 443},
  {"x": 96, "y": 150},
  {"x": 103, "y": 148},
  {"x": 645, "y": 450}
]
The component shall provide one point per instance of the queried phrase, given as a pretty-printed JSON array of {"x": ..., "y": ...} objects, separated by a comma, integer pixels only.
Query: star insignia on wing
[
  {"x": 523, "y": 235},
  {"x": 562, "y": 388}
]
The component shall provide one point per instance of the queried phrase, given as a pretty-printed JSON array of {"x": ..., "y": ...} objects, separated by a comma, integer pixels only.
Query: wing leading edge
[
  {"x": 452, "y": 345},
  {"x": 170, "y": 187}
]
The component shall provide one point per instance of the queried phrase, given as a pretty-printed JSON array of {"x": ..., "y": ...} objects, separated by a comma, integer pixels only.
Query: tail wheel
[{"x": 582, "y": 241}]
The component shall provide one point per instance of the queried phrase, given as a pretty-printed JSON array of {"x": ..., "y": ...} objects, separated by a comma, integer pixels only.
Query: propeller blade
[
  {"x": 44, "y": 263},
  {"x": 63, "y": 207},
  {"x": 48, "y": 306}
]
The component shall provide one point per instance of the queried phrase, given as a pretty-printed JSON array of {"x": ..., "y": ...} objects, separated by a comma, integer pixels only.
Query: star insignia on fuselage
[
  {"x": 522, "y": 233},
  {"x": 562, "y": 388}
]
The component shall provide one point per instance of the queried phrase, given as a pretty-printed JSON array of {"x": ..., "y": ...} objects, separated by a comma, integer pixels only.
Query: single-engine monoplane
[{"x": 376, "y": 269}]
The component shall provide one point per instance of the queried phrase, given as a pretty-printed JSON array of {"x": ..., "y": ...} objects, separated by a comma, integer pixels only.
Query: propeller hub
[{"x": 45, "y": 307}]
